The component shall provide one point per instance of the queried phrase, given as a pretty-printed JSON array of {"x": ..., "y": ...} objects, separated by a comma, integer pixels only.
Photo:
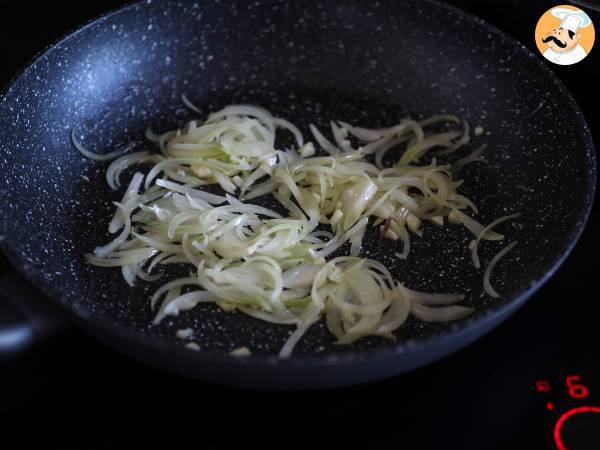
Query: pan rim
[{"x": 463, "y": 327}]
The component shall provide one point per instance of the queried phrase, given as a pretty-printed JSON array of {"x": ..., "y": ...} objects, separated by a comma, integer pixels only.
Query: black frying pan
[{"x": 364, "y": 62}]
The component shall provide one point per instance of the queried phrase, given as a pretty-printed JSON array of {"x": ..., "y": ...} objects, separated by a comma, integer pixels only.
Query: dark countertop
[{"x": 72, "y": 392}]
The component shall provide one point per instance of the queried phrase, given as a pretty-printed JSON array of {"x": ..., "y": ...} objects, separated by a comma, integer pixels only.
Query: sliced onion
[
  {"x": 182, "y": 303},
  {"x": 301, "y": 276},
  {"x": 251, "y": 209},
  {"x": 169, "y": 286},
  {"x": 245, "y": 110},
  {"x": 118, "y": 165},
  {"x": 487, "y": 286},
  {"x": 97, "y": 157},
  {"x": 475, "y": 227},
  {"x": 440, "y": 314},
  {"x": 355, "y": 200},
  {"x": 474, "y": 250},
  {"x": 128, "y": 202},
  {"x": 186, "y": 101},
  {"x": 474, "y": 156},
  {"x": 430, "y": 299},
  {"x": 120, "y": 239},
  {"x": 395, "y": 316},
  {"x": 250, "y": 258},
  {"x": 194, "y": 193},
  {"x": 339, "y": 138},
  {"x": 282, "y": 123},
  {"x": 323, "y": 142},
  {"x": 311, "y": 315}
]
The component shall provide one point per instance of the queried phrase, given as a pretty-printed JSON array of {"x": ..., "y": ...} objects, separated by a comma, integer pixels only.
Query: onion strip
[
  {"x": 474, "y": 250},
  {"x": 275, "y": 267},
  {"x": 487, "y": 286},
  {"x": 98, "y": 157}
]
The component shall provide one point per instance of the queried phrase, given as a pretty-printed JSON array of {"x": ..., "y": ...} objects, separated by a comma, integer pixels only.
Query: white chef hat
[{"x": 570, "y": 19}]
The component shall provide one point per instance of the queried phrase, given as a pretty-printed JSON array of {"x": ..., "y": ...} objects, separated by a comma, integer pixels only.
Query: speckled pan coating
[{"x": 363, "y": 62}]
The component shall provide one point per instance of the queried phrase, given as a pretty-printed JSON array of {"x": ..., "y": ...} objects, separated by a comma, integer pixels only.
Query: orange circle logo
[{"x": 565, "y": 35}]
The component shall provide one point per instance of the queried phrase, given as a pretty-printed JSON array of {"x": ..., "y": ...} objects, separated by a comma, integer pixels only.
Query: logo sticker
[{"x": 564, "y": 35}]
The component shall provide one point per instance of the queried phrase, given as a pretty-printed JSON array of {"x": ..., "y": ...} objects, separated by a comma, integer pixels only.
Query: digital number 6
[{"x": 576, "y": 389}]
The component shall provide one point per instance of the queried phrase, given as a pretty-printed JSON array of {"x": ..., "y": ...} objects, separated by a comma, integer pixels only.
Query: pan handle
[{"x": 26, "y": 317}]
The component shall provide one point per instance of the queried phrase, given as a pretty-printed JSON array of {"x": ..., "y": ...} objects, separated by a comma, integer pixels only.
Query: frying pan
[{"x": 370, "y": 63}]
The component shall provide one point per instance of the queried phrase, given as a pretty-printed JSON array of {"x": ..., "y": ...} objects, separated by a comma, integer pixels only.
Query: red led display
[
  {"x": 549, "y": 406},
  {"x": 560, "y": 445},
  {"x": 542, "y": 386},
  {"x": 576, "y": 389}
]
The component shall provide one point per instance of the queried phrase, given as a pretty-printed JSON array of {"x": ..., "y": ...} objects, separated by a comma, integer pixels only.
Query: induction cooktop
[{"x": 533, "y": 383}]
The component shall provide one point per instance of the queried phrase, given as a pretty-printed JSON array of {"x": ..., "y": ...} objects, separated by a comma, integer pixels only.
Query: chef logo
[{"x": 564, "y": 35}]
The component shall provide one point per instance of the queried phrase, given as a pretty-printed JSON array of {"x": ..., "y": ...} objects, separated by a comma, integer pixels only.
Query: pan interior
[{"x": 369, "y": 63}]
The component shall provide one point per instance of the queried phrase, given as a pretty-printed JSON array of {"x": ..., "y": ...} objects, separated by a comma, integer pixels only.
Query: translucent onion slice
[
  {"x": 301, "y": 276},
  {"x": 487, "y": 286},
  {"x": 194, "y": 193},
  {"x": 475, "y": 227},
  {"x": 323, "y": 142},
  {"x": 440, "y": 314},
  {"x": 356, "y": 240},
  {"x": 282, "y": 123},
  {"x": 382, "y": 149},
  {"x": 245, "y": 110},
  {"x": 251, "y": 209},
  {"x": 340, "y": 139},
  {"x": 395, "y": 316},
  {"x": 413, "y": 153},
  {"x": 128, "y": 272},
  {"x": 113, "y": 260},
  {"x": 169, "y": 286},
  {"x": 120, "y": 164},
  {"x": 371, "y": 135},
  {"x": 309, "y": 317},
  {"x": 120, "y": 239},
  {"x": 355, "y": 200},
  {"x": 186, "y": 101},
  {"x": 464, "y": 139},
  {"x": 97, "y": 157},
  {"x": 430, "y": 299},
  {"x": 474, "y": 249},
  {"x": 439, "y": 118},
  {"x": 129, "y": 201},
  {"x": 182, "y": 303},
  {"x": 474, "y": 156},
  {"x": 268, "y": 317},
  {"x": 273, "y": 268}
]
